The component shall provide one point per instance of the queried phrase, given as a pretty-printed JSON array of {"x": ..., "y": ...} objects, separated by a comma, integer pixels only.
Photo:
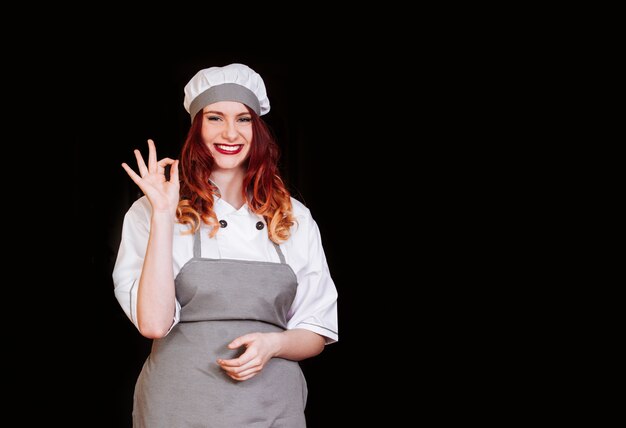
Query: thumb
[
  {"x": 174, "y": 172},
  {"x": 240, "y": 341}
]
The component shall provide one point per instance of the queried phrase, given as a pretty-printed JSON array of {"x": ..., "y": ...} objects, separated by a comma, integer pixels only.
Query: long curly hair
[{"x": 263, "y": 189}]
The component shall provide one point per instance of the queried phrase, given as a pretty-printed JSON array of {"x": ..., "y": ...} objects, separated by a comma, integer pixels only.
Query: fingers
[
  {"x": 152, "y": 157},
  {"x": 250, "y": 362},
  {"x": 235, "y": 343},
  {"x": 246, "y": 339},
  {"x": 143, "y": 170},
  {"x": 174, "y": 172},
  {"x": 235, "y": 362},
  {"x": 250, "y": 353},
  {"x": 244, "y": 376},
  {"x": 243, "y": 362},
  {"x": 133, "y": 175},
  {"x": 154, "y": 166},
  {"x": 165, "y": 161},
  {"x": 241, "y": 372},
  {"x": 162, "y": 164}
]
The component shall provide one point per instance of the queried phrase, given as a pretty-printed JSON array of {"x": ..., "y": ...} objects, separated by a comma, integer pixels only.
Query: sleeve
[
  {"x": 315, "y": 305},
  {"x": 130, "y": 256}
]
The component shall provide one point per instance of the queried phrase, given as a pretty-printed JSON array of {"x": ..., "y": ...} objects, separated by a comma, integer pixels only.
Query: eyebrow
[{"x": 222, "y": 114}]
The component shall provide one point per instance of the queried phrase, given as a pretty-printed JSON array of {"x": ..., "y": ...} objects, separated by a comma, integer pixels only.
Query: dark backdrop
[{"x": 328, "y": 139}]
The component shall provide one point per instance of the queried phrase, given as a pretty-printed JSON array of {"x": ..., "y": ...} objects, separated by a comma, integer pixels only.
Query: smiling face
[{"x": 227, "y": 132}]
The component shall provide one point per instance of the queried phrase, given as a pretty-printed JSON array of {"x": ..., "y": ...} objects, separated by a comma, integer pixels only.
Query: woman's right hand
[{"x": 162, "y": 194}]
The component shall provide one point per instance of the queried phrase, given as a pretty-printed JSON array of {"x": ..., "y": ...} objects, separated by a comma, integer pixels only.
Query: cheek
[
  {"x": 207, "y": 135},
  {"x": 247, "y": 134}
]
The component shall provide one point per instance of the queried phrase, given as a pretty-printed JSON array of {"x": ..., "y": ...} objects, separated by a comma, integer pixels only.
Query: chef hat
[{"x": 234, "y": 82}]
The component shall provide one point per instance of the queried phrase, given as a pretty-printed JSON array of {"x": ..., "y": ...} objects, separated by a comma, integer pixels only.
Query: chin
[{"x": 229, "y": 164}]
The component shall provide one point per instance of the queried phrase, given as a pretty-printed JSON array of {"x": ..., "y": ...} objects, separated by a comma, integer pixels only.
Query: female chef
[{"x": 223, "y": 269}]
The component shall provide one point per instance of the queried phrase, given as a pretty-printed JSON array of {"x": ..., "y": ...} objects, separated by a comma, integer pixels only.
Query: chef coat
[{"x": 243, "y": 236}]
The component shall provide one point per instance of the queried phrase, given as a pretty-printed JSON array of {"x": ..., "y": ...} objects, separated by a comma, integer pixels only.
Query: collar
[{"x": 223, "y": 208}]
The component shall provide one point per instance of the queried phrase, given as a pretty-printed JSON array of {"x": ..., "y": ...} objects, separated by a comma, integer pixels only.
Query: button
[
  {"x": 259, "y": 225},
  {"x": 223, "y": 223}
]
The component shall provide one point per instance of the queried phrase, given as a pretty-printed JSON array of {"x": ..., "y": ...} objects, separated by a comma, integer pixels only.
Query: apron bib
[{"x": 181, "y": 385}]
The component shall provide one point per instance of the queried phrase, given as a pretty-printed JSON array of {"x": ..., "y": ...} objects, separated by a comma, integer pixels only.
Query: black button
[
  {"x": 259, "y": 225},
  {"x": 223, "y": 223}
]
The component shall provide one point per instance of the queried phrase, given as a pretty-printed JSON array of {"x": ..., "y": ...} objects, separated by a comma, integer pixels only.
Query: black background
[{"x": 332, "y": 162}]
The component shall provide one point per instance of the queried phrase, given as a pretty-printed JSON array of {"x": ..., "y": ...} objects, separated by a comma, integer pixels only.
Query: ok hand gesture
[{"x": 162, "y": 194}]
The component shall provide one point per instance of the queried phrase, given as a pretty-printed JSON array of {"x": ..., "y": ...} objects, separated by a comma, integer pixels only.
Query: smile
[{"x": 227, "y": 149}]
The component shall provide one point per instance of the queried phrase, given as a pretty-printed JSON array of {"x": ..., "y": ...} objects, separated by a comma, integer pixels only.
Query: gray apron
[{"x": 181, "y": 385}]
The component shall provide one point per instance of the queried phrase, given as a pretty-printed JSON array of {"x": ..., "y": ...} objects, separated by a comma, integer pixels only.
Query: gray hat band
[{"x": 225, "y": 92}]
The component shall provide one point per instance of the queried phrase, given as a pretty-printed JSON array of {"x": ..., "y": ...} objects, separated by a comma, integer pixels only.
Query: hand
[
  {"x": 162, "y": 194},
  {"x": 260, "y": 348}
]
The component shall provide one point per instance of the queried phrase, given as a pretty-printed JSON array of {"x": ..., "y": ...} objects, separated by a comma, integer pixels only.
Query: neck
[{"x": 230, "y": 183}]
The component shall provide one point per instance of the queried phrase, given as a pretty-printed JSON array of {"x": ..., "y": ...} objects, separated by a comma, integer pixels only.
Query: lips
[{"x": 228, "y": 149}]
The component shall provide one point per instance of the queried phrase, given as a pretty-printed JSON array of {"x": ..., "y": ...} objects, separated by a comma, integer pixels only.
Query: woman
[{"x": 223, "y": 269}]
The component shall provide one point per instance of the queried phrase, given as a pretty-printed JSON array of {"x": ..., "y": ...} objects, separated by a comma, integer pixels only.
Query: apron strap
[
  {"x": 280, "y": 253},
  {"x": 197, "y": 252}
]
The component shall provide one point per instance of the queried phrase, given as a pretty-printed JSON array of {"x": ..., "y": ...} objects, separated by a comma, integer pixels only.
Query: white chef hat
[{"x": 233, "y": 82}]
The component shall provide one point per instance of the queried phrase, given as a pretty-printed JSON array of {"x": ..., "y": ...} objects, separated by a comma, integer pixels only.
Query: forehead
[{"x": 226, "y": 107}]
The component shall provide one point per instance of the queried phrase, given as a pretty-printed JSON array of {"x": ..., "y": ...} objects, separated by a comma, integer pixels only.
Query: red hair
[{"x": 263, "y": 189}]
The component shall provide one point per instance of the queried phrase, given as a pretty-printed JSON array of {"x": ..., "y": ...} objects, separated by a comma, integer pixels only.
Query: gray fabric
[
  {"x": 197, "y": 244},
  {"x": 181, "y": 385},
  {"x": 280, "y": 253},
  {"x": 225, "y": 92}
]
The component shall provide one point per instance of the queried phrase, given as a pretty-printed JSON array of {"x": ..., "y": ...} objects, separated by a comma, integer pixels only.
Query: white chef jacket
[{"x": 315, "y": 305}]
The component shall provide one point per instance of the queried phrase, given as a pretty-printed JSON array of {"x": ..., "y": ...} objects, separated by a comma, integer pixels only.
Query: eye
[
  {"x": 214, "y": 118},
  {"x": 245, "y": 119}
]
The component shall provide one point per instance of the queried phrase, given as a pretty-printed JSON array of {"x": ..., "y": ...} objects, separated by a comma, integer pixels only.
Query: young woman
[{"x": 223, "y": 269}]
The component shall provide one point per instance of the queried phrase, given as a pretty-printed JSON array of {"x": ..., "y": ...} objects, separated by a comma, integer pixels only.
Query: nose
[{"x": 230, "y": 132}]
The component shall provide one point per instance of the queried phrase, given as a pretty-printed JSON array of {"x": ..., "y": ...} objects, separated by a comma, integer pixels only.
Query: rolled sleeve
[
  {"x": 315, "y": 305},
  {"x": 130, "y": 257}
]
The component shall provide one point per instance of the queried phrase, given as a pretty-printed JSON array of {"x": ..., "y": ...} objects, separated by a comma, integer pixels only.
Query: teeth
[{"x": 228, "y": 148}]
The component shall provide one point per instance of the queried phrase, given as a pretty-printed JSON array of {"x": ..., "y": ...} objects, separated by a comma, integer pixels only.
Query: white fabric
[
  {"x": 233, "y": 73},
  {"x": 315, "y": 305}
]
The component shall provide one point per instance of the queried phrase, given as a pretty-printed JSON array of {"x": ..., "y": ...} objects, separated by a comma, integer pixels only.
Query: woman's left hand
[{"x": 260, "y": 348}]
